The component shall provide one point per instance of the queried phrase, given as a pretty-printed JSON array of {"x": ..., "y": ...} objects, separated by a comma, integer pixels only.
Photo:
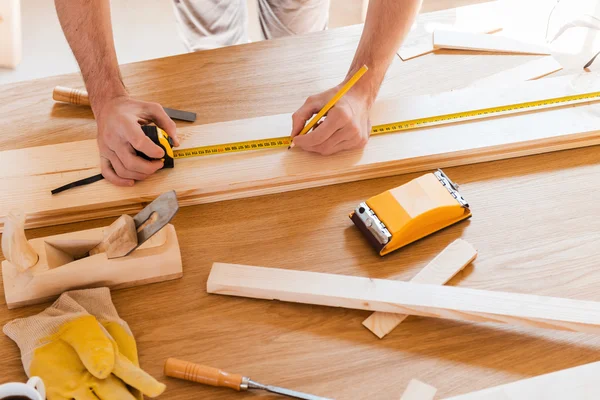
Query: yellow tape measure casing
[{"x": 161, "y": 139}]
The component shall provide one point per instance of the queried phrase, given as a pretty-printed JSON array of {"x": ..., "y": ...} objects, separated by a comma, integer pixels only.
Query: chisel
[
  {"x": 80, "y": 97},
  {"x": 215, "y": 377}
]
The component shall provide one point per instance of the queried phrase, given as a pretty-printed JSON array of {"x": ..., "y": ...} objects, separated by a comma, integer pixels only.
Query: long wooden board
[
  {"x": 535, "y": 69},
  {"x": 579, "y": 383},
  {"x": 482, "y": 42},
  {"x": 404, "y": 297},
  {"x": 28, "y": 175},
  {"x": 440, "y": 270}
]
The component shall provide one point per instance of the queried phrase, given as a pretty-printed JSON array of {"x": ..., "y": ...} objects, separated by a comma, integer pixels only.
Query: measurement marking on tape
[{"x": 272, "y": 143}]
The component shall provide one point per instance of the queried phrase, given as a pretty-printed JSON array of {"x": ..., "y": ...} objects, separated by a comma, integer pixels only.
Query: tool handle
[
  {"x": 202, "y": 374},
  {"x": 71, "y": 96},
  {"x": 120, "y": 238},
  {"x": 15, "y": 247}
]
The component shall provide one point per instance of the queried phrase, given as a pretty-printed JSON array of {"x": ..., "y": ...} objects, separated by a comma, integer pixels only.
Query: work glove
[
  {"x": 98, "y": 303},
  {"x": 76, "y": 356}
]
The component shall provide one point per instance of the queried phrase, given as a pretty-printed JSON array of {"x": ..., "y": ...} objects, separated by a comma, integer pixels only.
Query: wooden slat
[
  {"x": 28, "y": 175},
  {"x": 440, "y": 270},
  {"x": 579, "y": 383},
  {"x": 482, "y": 18},
  {"x": 530, "y": 70},
  {"x": 417, "y": 390},
  {"x": 404, "y": 297},
  {"x": 482, "y": 42}
]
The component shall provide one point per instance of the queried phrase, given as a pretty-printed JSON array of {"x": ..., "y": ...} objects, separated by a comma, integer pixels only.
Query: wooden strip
[
  {"x": 482, "y": 42},
  {"x": 579, "y": 383},
  {"x": 482, "y": 18},
  {"x": 28, "y": 175},
  {"x": 417, "y": 390},
  {"x": 530, "y": 70},
  {"x": 440, "y": 270},
  {"x": 404, "y": 297}
]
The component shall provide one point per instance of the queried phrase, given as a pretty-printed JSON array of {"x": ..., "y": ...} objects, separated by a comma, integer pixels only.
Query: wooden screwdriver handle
[
  {"x": 71, "y": 96},
  {"x": 202, "y": 374}
]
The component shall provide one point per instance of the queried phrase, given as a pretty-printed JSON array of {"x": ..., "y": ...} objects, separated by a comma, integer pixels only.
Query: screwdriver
[{"x": 215, "y": 377}]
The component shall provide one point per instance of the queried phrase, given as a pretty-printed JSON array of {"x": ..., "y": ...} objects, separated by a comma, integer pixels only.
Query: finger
[
  {"x": 311, "y": 106},
  {"x": 94, "y": 348},
  {"x": 85, "y": 394},
  {"x": 135, "y": 163},
  {"x": 344, "y": 139},
  {"x": 136, "y": 377},
  {"x": 139, "y": 141},
  {"x": 110, "y": 175},
  {"x": 123, "y": 172},
  {"x": 156, "y": 113},
  {"x": 344, "y": 145},
  {"x": 112, "y": 388},
  {"x": 335, "y": 121}
]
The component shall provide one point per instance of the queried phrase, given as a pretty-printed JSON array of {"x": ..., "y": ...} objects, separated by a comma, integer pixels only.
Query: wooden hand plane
[{"x": 132, "y": 251}]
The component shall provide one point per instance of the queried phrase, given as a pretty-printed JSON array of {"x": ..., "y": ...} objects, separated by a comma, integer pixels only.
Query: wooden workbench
[{"x": 535, "y": 223}]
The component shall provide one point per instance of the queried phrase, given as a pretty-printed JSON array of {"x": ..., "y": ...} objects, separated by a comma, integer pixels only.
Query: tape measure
[{"x": 393, "y": 127}]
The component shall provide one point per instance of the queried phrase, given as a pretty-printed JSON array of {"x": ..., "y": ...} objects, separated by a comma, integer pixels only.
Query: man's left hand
[{"x": 345, "y": 127}]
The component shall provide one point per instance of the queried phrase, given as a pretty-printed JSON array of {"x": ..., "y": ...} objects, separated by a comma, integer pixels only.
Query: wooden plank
[
  {"x": 28, "y": 175},
  {"x": 530, "y": 70},
  {"x": 417, "y": 390},
  {"x": 404, "y": 297},
  {"x": 481, "y": 18},
  {"x": 440, "y": 270},
  {"x": 579, "y": 383},
  {"x": 482, "y": 42}
]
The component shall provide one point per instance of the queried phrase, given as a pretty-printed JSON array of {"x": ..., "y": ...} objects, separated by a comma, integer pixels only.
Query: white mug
[{"x": 33, "y": 389}]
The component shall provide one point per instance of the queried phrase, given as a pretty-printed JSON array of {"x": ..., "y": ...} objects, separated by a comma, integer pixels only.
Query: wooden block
[
  {"x": 579, "y": 383},
  {"x": 404, "y": 297},
  {"x": 28, "y": 175},
  {"x": 530, "y": 70},
  {"x": 10, "y": 33},
  {"x": 59, "y": 268},
  {"x": 481, "y": 18},
  {"x": 482, "y": 42},
  {"x": 440, "y": 270},
  {"x": 417, "y": 390}
]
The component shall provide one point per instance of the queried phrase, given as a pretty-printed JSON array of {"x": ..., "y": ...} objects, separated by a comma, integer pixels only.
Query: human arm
[
  {"x": 347, "y": 124},
  {"x": 88, "y": 29}
]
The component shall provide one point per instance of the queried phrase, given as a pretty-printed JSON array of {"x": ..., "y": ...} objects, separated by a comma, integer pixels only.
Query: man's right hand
[{"x": 120, "y": 135}]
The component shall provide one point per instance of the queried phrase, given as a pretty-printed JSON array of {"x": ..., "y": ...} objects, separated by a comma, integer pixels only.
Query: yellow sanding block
[{"x": 410, "y": 212}]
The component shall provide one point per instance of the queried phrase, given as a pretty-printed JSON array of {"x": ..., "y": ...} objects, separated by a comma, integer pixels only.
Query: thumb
[
  {"x": 137, "y": 377},
  {"x": 96, "y": 351}
]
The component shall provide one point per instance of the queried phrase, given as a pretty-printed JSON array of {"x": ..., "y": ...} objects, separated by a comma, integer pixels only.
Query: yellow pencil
[{"x": 332, "y": 102}]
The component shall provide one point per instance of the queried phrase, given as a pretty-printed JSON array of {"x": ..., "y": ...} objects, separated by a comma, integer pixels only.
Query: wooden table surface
[{"x": 534, "y": 223}]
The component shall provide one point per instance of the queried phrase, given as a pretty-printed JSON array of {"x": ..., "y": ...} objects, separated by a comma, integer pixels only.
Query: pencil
[{"x": 332, "y": 102}]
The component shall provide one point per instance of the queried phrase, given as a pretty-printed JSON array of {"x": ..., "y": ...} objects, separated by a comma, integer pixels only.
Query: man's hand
[
  {"x": 120, "y": 135},
  {"x": 345, "y": 127}
]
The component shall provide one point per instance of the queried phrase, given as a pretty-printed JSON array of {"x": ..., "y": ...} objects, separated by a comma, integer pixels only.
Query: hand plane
[
  {"x": 131, "y": 251},
  {"x": 410, "y": 212}
]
